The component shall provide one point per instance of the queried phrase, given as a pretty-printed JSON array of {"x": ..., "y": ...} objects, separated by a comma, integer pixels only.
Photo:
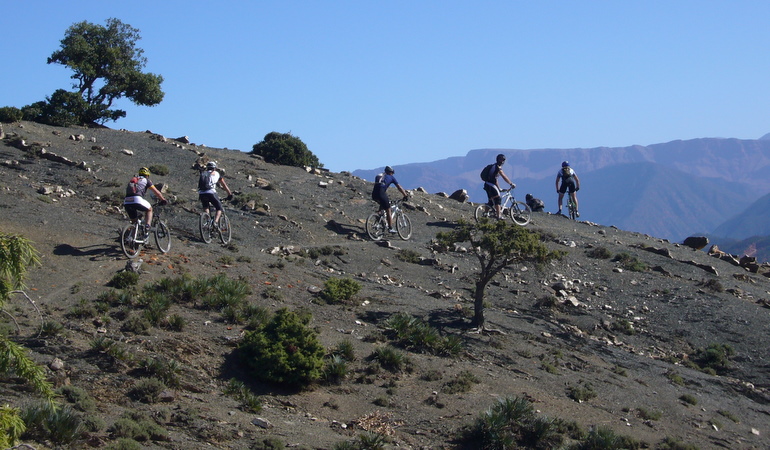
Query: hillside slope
[{"x": 626, "y": 336}]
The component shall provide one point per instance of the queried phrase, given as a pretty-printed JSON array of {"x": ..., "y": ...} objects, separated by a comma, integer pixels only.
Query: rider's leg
[
  {"x": 561, "y": 198},
  {"x": 388, "y": 215},
  {"x": 148, "y": 216}
]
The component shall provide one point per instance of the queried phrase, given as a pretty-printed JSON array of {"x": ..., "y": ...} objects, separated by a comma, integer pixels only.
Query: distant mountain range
[{"x": 671, "y": 190}]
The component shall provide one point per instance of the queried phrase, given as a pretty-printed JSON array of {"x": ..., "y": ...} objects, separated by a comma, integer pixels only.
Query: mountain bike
[
  {"x": 572, "y": 208},
  {"x": 518, "y": 211},
  {"x": 377, "y": 223},
  {"x": 208, "y": 227},
  {"x": 136, "y": 234}
]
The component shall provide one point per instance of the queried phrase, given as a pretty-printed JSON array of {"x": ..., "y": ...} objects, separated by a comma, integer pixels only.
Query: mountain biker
[
  {"x": 207, "y": 189},
  {"x": 135, "y": 202},
  {"x": 380, "y": 195},
  {"x": 491, "y": 186},
  {"x": 569, "y": 181}
]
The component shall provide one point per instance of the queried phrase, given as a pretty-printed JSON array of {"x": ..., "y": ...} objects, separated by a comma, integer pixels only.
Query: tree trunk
[{"x": 478, "y": 304}]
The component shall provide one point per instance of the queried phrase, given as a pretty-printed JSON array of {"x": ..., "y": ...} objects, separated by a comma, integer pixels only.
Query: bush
[
  {"x": 715, "y": 358},
  {"x": 159, "y": 169},
  {"x": 286, "y": 150},
  {"x": 124, "y": 279},
  {"x": 147, "y": 390},
  {"x": 337, "y": 290},
  {"x": 285, "y": 350},
  {"x": 10, "y": 114}
]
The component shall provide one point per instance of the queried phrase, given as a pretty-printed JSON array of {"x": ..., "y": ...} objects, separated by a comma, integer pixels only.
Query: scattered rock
[{"x": 696, "y": 242}]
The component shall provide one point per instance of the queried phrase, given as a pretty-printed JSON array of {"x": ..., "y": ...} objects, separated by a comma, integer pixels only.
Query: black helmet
[
  {"x": 565, "y": 164},
  {"x": 528, "y": 197},
  {"x": 500, "y": 158},
  {"x": 389, "y": 169},
  {"x": 211, "y": 165}
]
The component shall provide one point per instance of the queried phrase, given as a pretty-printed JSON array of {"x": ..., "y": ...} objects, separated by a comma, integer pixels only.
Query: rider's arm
[
  {"x": 224, "y": 186},
  {"x": 505, "y": 177},
  {"x": 157, "y": 193},
  {"x": 577, "y": 181},
  {"x": 402, "y": 190},
  {"x": 557, "y": 183}
]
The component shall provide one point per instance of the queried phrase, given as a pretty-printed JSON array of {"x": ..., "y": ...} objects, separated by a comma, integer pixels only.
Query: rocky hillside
[{"x": 650, "y": 339}]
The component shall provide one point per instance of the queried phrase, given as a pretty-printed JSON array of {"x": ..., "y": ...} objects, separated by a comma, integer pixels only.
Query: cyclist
[
  {"x": 491, "y": 186},
  {"x": 569, "y": 181},
  {"x": 135, "y": 202},
  {"x": 207, "y": 189},
  {"x": 380, "y": 195}
]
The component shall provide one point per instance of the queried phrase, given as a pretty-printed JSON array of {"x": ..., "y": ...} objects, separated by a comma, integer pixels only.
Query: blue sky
[{"x": 371, "y": 83}]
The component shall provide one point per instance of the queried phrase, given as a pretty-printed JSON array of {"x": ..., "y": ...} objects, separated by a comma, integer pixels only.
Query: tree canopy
[
  {"x": 497, "y": 245},
  {"x": 107, "y": 66},
  {"x": 285, "y": 149}
]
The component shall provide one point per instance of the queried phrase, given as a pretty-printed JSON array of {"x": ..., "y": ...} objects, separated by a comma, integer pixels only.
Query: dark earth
[{"x": 628, "y": 335}]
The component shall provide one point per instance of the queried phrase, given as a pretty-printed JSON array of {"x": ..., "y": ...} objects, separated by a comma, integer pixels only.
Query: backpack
[
  {"x": 133, "y": 187},
  {"x": 566, "y": 172},
  {"x": 205, "y": 182},
  {"x": 486, "y": 174}
]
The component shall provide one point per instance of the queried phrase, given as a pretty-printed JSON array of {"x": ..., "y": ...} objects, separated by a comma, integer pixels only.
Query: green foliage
[
  {"x": 629, "y": 262},
  {"x": 124, "y": 280},
  {"x": 714, "y": 359},
  {"x": 285, "y": 350},
  {"x": 603, "y": 438},
  {"x": 338, "y": 290},
  {"x": 366, "y": 441},
  {"x": 16, "y": 255},
  {"x": 408, "y": 255},
  {"x": 599, "y": 253},
  {"x": 461, "y": 383},
  {"x": 647, "y": 414},
  {"x": 670, "y": 443},
  {"x": 11, "y": 426},
  {"x": 286, "y": 150},
  {"x": 689, "y": 399},
  {"x": 496, "y": 244},
  {"x": 390, "y": 358},
  {"x": 513, "y": 423},
  {"x": 78, "y": 397},
  {"x": 581, "y": 392},
  {"x": 10, "y": 114},
  {"x": 417, "y": 335},
  {"x": 240, "y": 392},
  {"x": 139, "y": 427},
  {"x": 44, "y": 421},
  {"x": 147, "y": 390},
  {"x": 159, "y": 169},
  {"x": 107, "y": 66},
  {"x": 62, "y": 109}
]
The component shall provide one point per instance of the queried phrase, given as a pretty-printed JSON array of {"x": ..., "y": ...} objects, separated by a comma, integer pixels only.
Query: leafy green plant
[
  {"x": 629, "y": 262},
  {"x": 147, "y": 390},
  {"x": 159, "y": 169},
  {"x": 137, "y": 426},
  {"x": 581, "y": 392},
  {"x": 462, "y": 382},
  {"x": 647, "y": 414},
  {"x": 390, "y": 358},
  {"x": 714, "y": 359},
  {"x": 675, "y": 378},
  {"x": 336, "y": 369},
  {"x": 408, "y": 255},
  {"x": 689, "y": 399},
  {"x": 729, "y": 415},
  {"x": 61, "y": 425},
  {"x": 78, "y": 397},
  {"x": 599, "y": 253},
  {"x": 337, "y": 290},
  {"x": 240, "y": 392},
  {"x": 285, "y": 350},
  {"x": 344, "y": 349},
  {"x": 10, "y": 114},
  {"x": 285, "y": 149},
  {"x": 512, "y": 423},
  {"x": 415, "y": 334},
  {"x": 624, "y": 326}
]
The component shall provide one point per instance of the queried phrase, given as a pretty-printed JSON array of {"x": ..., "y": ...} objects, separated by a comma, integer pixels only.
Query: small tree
[
  {"x": 285, "y": 149},
  {"x": 107, "y": 66},
  {"x": 16, "y": 254},
  {"x": 496, "y": 245}
]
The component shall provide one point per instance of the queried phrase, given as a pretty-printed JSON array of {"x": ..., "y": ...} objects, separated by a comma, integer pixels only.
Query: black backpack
[
  {"x": 486, "y": 174},
  {"x": 204, "y": 182}
]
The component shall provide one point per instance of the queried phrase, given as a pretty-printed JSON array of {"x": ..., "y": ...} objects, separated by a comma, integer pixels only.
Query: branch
[{"x": 34, "y": 305}]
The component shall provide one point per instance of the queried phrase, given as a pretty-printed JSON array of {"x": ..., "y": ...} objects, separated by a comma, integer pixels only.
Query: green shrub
[
  {"x": 647, "y": 414},
  {"x": 10, "y": 114},
  {"x": 689, "y": 399},
  {"x": 409, "y": 256},
  {"x": 461, "y": 383},
  {"x": 599, "y": 253},
  {"x": 61, "y": 424},
  {"x": 139, "y": 427},
  {"x": 78, "y": 397},
  {"x": 338, "y": 290},
  {"x": 147, "y": 390},
  {"x": 124, "y": 279},
  {"x": 729, "y": 415},
  {"x": 512, "y": 423},
  {"x": 240, "y": 392},
  {"x": 285, "y": 149},
  {"x": 581, "y": 392},
  {"x": 629, "y": 262},
  {"x": 714, "y": 359},
  {"x": 285, "y": 350},
  {"x": 390, "y": 358},
  {"x": 336, "y": 369},
  {"x": 344, "y": 349},
  {"x": 159, "y": 169},
  {"x": 415, "y": 334},
  {"x": 124, "y": 444}
]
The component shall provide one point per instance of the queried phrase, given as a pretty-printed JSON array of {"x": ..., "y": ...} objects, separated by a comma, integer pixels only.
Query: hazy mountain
[
  {"x": 753, "y": 221},
  {"x": 685, "y": 187}
]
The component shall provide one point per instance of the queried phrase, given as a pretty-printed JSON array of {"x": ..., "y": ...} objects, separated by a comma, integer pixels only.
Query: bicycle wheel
[
  {"x": 205, "y": 227},
  {"x": 374, "y": 227},
  {"x": 572, "y": 210},
  {"x": 483, "y": 211},
  {"x": 162, "y": 236},
  {"x": 520, "y": 213},
  {"x": 225, "y": 232},
  {"x": 128, "y": 241},
  {"x": 404, "y": 226}
]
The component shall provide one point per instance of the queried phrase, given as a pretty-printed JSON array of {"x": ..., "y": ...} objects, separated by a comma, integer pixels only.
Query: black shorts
[
  {"x": 382, "y": 199},
  {"x": 133, "y": 210},
  {"x": 568, "y": 184},
  {"x": 210, "y": 199}
]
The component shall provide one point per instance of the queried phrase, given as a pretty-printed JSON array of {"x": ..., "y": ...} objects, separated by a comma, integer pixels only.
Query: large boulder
[{"x": 696, "y": 242}]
